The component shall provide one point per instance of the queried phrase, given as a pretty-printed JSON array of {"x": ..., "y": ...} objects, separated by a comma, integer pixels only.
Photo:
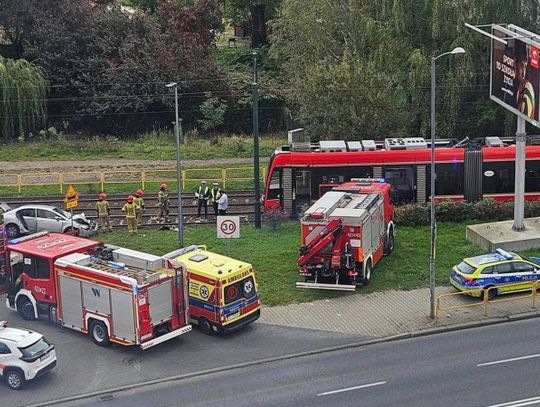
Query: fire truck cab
[
  {"x": 111, "y": 293},
  {"x": 345, "y": 233}
]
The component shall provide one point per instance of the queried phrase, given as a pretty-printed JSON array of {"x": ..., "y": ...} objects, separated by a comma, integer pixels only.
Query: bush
[
  {"x": 449, "y": 211},
  {"x": 275, "y": 217}
]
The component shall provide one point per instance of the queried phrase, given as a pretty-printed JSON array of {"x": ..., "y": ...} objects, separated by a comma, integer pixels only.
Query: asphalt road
[
  {"x": 84, "y": 367},
  {"x": 496, "y": 365}
]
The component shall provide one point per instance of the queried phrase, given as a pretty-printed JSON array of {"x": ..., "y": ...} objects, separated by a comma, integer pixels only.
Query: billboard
[{"x": 515, "y": 76}]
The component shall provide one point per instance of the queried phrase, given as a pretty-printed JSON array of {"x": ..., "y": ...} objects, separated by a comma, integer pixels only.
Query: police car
[
  {"x": 24, "y": 355},
  {"x": 497, "y": 269}
]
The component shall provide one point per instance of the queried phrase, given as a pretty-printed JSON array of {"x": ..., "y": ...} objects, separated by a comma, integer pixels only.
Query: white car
[
  {"x": 24, "y": 355},
  {"x": 35, "y": 218}
]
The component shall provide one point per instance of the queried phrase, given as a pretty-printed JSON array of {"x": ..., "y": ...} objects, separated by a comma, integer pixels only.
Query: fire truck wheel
[
  {"x": 15, "y": 379},
  {"x": 99, "y": 333},
  {"x": 367, "y": 274},
  {"x": 389, "y": 242},
  {"x": 25, "y": 309},
  {"x": 205, "y": 326}
]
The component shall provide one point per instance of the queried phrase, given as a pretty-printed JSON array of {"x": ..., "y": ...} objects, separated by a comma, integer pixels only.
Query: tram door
[
  {"x": 402, "y": 180},
  {"x": 302, "y": 190}
]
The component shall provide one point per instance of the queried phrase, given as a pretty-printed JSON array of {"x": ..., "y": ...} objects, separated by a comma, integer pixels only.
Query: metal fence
[
  {"x": 529, "y": 288},
  {"x": 225, "y": 176}
]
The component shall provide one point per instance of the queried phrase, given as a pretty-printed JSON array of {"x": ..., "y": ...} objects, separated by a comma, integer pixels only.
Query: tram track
[{"x": 241, "y": 203}]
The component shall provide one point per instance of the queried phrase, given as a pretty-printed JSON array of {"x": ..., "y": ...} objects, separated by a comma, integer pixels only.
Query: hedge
[{"x": 450, "y": 211}]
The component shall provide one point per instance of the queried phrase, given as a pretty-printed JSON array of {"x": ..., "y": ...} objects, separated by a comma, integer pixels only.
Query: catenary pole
[{"x": 255, "y": 97}]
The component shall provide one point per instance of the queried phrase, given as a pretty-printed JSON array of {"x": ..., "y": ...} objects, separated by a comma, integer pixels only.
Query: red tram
[{"x": 298, "y": 175}]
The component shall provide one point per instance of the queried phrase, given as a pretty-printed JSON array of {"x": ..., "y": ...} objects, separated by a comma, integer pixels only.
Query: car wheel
[
  {"x": 491, "y": 293},
  {"x": 99, "y": 333},
  {"x": 367, "y": 274},
  {"x": 25, "y": 308},
  {"x": 205, "y": 326},
  {"x": 15, "y": 379},
  {"x": 12, "y": 230},
  {"x": 71, "y": 230}
]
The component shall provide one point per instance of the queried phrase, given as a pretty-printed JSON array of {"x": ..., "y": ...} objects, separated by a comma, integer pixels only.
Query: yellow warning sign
[{"x": 72, "y": 198}]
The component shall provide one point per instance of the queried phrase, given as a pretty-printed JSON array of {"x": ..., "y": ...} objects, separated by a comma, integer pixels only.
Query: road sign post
[
  {"x": 228, "y": 227},
  {"x": 71, "y": 200}
]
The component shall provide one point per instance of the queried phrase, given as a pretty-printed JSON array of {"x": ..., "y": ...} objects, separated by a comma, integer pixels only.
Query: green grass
[
  {"x": 274, "y": 255},
  {"x": 152, "y": 146}
]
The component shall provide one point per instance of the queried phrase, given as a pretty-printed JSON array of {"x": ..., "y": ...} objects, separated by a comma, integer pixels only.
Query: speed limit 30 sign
[{"x": 228, "y": 227}]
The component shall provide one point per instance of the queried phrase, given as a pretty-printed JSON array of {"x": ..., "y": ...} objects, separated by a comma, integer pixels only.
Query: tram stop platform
[{"x": 495, "y": 235}]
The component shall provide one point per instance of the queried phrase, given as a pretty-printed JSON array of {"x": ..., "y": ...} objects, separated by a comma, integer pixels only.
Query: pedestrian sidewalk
[{"x": 389, "y": 313}]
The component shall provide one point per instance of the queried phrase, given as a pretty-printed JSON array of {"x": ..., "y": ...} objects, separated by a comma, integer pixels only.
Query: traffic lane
[
  {"x": 437, "y": 370},
  {"x": 85, "y": 367}
]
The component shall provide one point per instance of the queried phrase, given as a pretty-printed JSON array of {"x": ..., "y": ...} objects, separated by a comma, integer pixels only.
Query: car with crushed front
[
  {"x": 36, "y": 218},
  {"x": 24, "y": 355},
  {"x": 500, "y": 271}
]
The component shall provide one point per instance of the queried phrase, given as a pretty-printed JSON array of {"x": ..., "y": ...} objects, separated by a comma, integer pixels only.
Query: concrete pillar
[{"x": 519, "y": 190}]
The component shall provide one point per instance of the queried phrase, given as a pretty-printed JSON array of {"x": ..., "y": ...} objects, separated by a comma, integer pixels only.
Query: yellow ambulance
[{"x": 223, "y": 295}]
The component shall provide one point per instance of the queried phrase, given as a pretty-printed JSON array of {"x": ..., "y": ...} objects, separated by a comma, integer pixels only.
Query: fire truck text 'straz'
[
  {"x": 345, "y": 234},
  {"x": 111, "y": 293}
]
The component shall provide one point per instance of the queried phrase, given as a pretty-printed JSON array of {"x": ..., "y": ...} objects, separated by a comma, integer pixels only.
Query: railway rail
[{"x": 241, "y": 203}]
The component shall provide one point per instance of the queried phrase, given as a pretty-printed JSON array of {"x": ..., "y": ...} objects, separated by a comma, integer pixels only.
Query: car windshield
[
  {"x": 62, "y": 213},
  {"x": 466, "y": 268},
  {"x": 35, "y": 349}
]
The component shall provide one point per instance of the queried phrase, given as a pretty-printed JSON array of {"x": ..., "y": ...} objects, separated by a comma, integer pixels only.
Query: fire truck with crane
[
  {"x": 345, "y": 233},
  {"x": 111, "y": 293}
]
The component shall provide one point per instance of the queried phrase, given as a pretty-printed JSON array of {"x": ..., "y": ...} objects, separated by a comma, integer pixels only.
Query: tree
[
  {"x": 257, "y": 13},
  {"x": 22, "y": 95},
  {"x": 107, "y": 68},
  {"x": 362, "y": 68},
  {"x": 213, "y": 112}
]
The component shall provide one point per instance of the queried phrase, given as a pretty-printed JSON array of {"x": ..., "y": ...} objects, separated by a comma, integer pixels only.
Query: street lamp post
[
  {"x": 178, "y": 166},
  {"x": 457, "y": 50}
]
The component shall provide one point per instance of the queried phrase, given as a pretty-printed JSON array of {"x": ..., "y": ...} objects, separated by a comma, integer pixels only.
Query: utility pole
[{"x": 255, "y": 97}]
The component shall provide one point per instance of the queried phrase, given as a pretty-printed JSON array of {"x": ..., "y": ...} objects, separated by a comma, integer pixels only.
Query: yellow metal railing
[
  {"x": 189, "y": 177},
  {"x": 531, "y": 286}
]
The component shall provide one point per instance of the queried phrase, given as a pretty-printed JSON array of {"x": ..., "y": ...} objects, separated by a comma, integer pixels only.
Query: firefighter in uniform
[
  {"x": 130, "y": 210},
  {"x": 139, "y": 201},
  {"x": 202, "y": 194},
  {"x": 163, "y": 204},
  {"x": 104, "y": 211},
  {"x": 215, "y": 194}
]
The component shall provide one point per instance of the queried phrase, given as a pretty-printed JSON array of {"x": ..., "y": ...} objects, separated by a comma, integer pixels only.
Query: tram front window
[{"x": 274, "y": 189}]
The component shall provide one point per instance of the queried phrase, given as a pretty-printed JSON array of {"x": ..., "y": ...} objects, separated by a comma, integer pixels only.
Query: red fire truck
[
  {"x": 110, "y": 293},
  {"x": 345, "y": 234}
]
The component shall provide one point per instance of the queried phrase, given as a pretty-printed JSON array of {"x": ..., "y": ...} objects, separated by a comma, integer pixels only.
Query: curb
[{"x": 108, "y": 393}]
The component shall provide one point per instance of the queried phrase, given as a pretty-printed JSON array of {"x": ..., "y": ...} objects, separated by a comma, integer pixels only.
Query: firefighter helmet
[
  {"x": 130, "y": 198},
  {"x": 139, "y": 193},
  {"x": 102, "y": 196}
]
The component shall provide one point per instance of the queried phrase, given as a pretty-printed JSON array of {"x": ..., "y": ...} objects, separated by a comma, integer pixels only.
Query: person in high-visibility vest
[
  {"x": 215, "y": 193},
  {"x": 202, "y": 194},
  {"x": 139, "y": 201},
  {"x": 163, "y": 204},
  {"x": 130, "y": 210},
  {"x": 104, "y": 211}
]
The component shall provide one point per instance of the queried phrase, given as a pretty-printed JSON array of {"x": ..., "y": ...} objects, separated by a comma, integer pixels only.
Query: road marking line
[
  {"x": 536, "y": 355},
  {"x": 351, "y": 388},
  {"x": 519, "y": 403}
]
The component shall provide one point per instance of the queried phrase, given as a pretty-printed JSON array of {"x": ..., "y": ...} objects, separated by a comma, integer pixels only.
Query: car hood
[{"x": 81, "y": 218}]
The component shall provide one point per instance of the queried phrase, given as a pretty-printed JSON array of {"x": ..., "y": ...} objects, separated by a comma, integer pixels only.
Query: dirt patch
[{"x": 101, "y": 165}]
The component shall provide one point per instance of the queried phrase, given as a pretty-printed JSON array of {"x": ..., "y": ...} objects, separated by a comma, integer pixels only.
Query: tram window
[
  {"x": 274, "y": 190},
  {"x": 449, "y": 178},
  {"x": 532, "y": 176},
  {"x": 500, "y": 179}
]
